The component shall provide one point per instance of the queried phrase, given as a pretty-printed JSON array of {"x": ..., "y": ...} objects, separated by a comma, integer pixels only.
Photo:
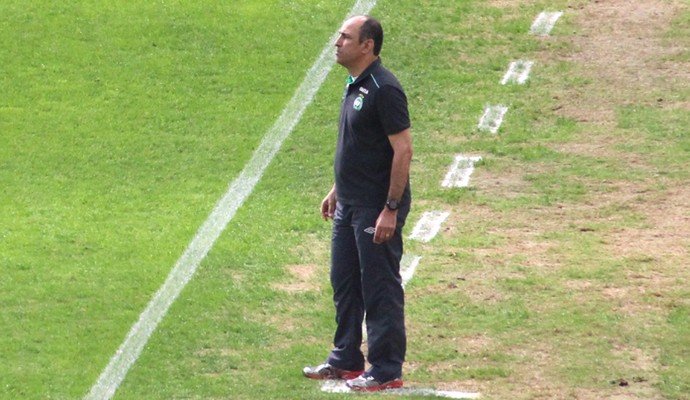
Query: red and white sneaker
[
  {"x": 368, "y": 384},
  {"x": 327, "y": 371}
]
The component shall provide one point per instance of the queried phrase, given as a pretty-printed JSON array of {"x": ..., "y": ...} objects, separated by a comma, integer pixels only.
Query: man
[{"x": 368, "y": 205}]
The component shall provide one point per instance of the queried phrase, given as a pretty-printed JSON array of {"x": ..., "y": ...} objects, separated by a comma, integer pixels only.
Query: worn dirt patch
[
  {"x": 667, "y": 229},
  {"x": 620, "y": 48},
  {"x": 304, "y": 279},
  {"x": 619, "y": 51}
]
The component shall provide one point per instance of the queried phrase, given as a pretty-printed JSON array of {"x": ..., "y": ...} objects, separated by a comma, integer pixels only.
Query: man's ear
[{"x": 368, "y": 46}]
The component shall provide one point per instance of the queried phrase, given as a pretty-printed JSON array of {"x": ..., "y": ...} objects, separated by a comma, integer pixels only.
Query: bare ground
[
  {"x": 622, "y": 48},
  {"x": 619, "y": 45}
]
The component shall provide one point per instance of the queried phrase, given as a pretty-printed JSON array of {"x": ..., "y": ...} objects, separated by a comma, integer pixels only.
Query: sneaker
[
  {"x": 327, "y": 371},
  {"x": 369, "y": 384}
]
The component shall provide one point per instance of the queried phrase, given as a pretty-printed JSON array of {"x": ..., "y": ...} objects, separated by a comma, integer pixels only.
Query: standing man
[{"x": 368, "y": 205}]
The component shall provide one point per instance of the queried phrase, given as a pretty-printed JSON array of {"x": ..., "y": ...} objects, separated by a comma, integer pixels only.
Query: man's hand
[
  {"x": 401, "y": 143},
  {"x": 328, "y": 205},
  {"x": 385, "y": 225}
]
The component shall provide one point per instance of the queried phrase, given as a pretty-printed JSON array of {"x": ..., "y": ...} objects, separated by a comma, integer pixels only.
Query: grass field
[{"x": 561, "y": 272}]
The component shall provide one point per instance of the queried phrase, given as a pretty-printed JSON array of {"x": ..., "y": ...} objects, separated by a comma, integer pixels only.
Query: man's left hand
[{"x": 385, "y": 225}]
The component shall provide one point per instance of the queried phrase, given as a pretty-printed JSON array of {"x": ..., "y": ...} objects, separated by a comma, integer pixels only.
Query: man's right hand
[{"x": 328, "y": 205}]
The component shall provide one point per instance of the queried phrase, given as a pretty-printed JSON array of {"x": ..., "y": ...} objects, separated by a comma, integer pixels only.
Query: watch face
[{"x": 392, "y": 204}]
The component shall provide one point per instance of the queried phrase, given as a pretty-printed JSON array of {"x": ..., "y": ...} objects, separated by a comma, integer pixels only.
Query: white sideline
[
  {"x": 544, "y": 23},
  {"x": 518, "y": 72},
  {"x": 492, "y": 118},
  {"x": 129, "y": 351},
  {"x": 408, "y": 265},
  {"x": 428, "y": 225},
  {"x": 339, "y": 386},
  {"x": 460, "y": 171}
]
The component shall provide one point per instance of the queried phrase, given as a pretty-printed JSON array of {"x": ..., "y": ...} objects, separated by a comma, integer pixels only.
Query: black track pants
[{"x": 366, "y": 281}]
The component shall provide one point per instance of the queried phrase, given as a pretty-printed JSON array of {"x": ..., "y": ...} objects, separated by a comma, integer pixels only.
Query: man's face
[{"x": 348, "y": 49}]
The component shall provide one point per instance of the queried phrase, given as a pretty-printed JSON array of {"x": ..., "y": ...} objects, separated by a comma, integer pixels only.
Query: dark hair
[{"x": 371, "y": 29}]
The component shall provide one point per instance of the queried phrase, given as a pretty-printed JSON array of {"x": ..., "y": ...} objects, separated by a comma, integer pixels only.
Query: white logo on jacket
[{"x": 359, "y": 103}]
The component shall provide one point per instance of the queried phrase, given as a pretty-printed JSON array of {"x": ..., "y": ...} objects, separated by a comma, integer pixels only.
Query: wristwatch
[{"x": 392, "y": 204}]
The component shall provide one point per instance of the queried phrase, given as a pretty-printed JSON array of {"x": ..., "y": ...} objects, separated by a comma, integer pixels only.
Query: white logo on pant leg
[{"x": 370, "y": 230}]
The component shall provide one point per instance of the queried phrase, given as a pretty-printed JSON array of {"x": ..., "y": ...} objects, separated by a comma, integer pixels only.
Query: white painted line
[
  {"x": 460, "y": 171},
  {"x": 544, "y": 23},
  {"x": 492, "y": 118},
  {"x": 518, "y": 72},
  {"x": 128, "y": 353},
  {"x": 428, "y": 225},
  {"x": 333, "y": 386},
  {"x": 408, "y": 266}
]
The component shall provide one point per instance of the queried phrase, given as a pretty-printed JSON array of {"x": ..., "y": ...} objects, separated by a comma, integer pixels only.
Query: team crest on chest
[{"x": 358, "y": 103}]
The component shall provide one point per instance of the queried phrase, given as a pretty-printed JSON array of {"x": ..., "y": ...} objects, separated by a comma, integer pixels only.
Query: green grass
[
  {"x": 122, "y": 125},
  {"x": 106, "y": 111}
]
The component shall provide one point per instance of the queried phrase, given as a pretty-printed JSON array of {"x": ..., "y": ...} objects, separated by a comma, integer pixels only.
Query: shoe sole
[
  {"x": 343, "y": 375},
  {"x": 388, "y": 385}
]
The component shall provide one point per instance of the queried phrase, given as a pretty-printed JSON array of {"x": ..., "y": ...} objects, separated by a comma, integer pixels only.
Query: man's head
[
  {"x": 371, "y": 30},
  {"x": 359, "y": 42}
]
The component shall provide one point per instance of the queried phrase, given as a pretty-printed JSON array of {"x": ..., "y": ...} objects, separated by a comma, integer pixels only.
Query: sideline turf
[{"x": 122, "y": 124}]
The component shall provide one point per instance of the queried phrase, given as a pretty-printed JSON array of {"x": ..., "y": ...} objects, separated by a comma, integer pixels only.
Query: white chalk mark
[
  {"x": 408, "y": 266},
  {"x": 428, "y": 225},
  {"x": 544, "y": 23},
  {"x": 460, "y": 171},
  {"x": 518, "y": 72},
  {"x": 492, "y": 118},
  {"x": 128, "y": 353},
  {"x": 333, "y": 386}
]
